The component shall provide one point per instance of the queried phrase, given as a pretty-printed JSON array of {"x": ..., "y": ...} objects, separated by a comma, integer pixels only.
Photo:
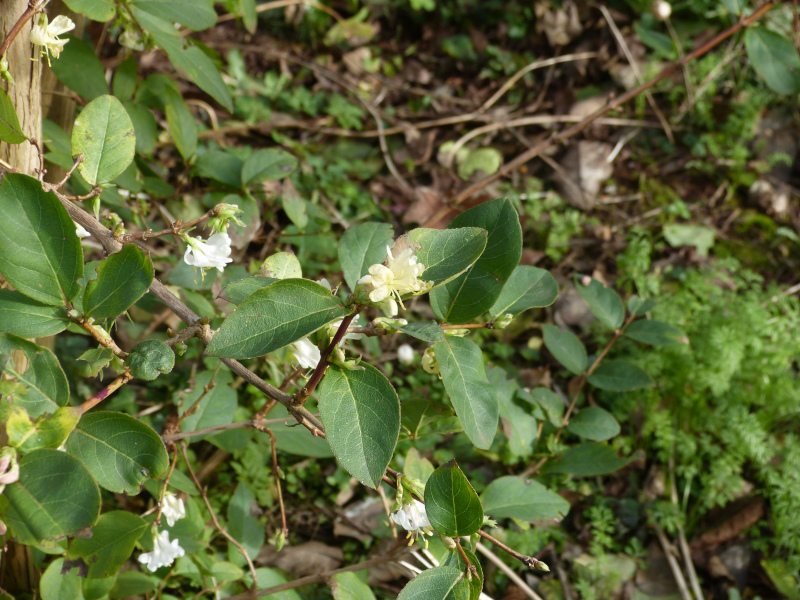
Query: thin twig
[
  {"x": 322, "y": 365},
  {"x": 529, "y": 561},
  {"x": 106, "y": 391},
  {"x": 202, "y": 491},
  {"x": 673, "y": 563},
  {"x": 249, "y": 424},
  {"x": 471, "y": 569},
  {"x": 29, "y": 13},
  {"x": 277, "y": 474},
  {"x": 612, "y": 105},
  {"x": 509, "y": 572}
]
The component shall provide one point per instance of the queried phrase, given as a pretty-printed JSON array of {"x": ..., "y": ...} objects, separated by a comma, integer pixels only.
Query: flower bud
[
  {"x": 225, "y": 213},
  {"x": 503, "y": 321},
  {"x": 405, "y": 354},
  {"x": 429, "y": 362},
  {"x": 280, "y": 541},
  {"x": 661, "y": 10},
  {"x": 448, "y": 542}
]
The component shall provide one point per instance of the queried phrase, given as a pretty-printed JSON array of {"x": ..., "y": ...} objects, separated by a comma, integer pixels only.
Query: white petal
[{"x": 61, "y": 24}]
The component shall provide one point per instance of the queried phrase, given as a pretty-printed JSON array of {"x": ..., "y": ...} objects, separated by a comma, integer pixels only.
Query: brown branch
[
  {"x": 612, "y": 105},
  {"x": 322, "y": 365},
  {"x": 102, "y": 338},
  {"x": 175, "y": 228},
  {"x": 276, "y": 473},
  {"x": 106, "y": 391},
  {"x": 471, "y": 569},
  {"x": 528, "y": 561}
]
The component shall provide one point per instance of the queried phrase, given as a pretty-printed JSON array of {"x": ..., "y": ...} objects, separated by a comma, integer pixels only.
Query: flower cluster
[
  {"x": 46, "y": 35},
  {"x": 392, "y": 280},
  {"x": 413, "y": 518},
  {"x": 165, "y": 551}
]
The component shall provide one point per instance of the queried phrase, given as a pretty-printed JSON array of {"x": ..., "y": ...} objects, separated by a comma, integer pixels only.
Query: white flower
[
  {"x": 405, "y": 354},
  {"x": 213, "y": 253},
  {"x": 306, "y": 353},
  {"x": 163, "y": 554},
  {"x": 46, "y": 36},
  {"x": 132, "y": 39},
  {"x": 413, "y": 518},
  {"x": 661, "y": 10},
  {"x": 397, "y": 277},
  {"x": 81, "y": 232},
  {"x": 172, "y": 508}
]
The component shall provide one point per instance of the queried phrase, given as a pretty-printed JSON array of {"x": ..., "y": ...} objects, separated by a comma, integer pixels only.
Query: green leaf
[
  {"x": 221, "y": 166},
  {"x": 149, "y": 359},
  {"x": 213, "y": 407},
  {"x": 549, "y": 403},
  {"x": 103, "y": 133},
  {"x": 119, "y": 450},
  {"x": 294, "y": 440},
  {"x": 10, "y": 130},
  {"x": 96, "y": 589},
  {"x": 587, "y": 460},
  {"x": 49, "y": 431},
  {"x": 522, "y": 499},
  {"x": 699, "y": 236},
  {"x": 464, "y": 377},
  {"x": 96, "y": 360},
  {"x": 474, "y": 292},
  {"x": 445, "y": 254},
  {"x": 46, "y": 383},
  {"x": 54, "y": 497},
  {"x": 40, "y": 254},
  {"x": 268, "y": 164},
  {"x": 453, "y": 559},
  {"x": 144, "y": 127},
  {"x": 181, "y": 123},
  {"x": 566, "y": 348},
  {"x": 774, "y": 58},
  {"x": 275, "y": 316},
  {"x": 243, "y": 525},
  {"x": 96, "y": 10},
  {"x": 427, "y": 331},
  {"x": 111, "y": 543},
  {"x": 417, "y": 467},
  {"x": 439, "y": 583},
  {"x": 132, "y": 583},
  {"x": 238, "y": 291},
  {"x": 619, "y": 376},
  {"x": 654, "y": 333},
  {"x": 249, "y": 15},
  {"x": 57, "y": 586},
  {"x": 282, "y": 265},
  {"x": 29, "y": 318},
  {"x": 518, "y": 424},
  {"x": 125, "y": 79},
  {"x": 594, "y": 423},
  {"x": 362, "y": 246},
  {"x": 122, "y": 279},
  {"x": 604, "y": 302},
  {"x": 347, "y": 586},
  {"x": 361, "y": 413},
  {"x": 527, "y": 287},
  {"x": 194, "y": 14},
  {"x": 80, "y": 69},
  {"x": 452, "y": 505},
  {"x": 419, "y": 417},
  {"x": 640, "y": 306}
]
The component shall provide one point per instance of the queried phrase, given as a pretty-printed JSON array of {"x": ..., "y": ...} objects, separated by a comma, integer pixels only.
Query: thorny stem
[
  {"x": 202, "y": 491},
  {"x": 29, "y": 13},
  {"x": 322, "y": 365}
]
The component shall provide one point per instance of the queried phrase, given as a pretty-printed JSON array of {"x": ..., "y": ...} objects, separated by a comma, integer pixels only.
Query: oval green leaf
[
  {"x": 528, "y": 287},
  {"x": 238, "y": 291},
  {"x": 120, "y": 451},
  {"x": 149, "y": 359},
  {"x": 122, "y": 279},
  {"x": 275, "y": 316},
  {"x": 587, "y": 460},
  {"x": 10, "y": 130},
  {"x": 566, "y": 348},
  {"x": 103, "y": 133},
  {"x": 774, "y": 58},
  {"x": 604, "y": 302},
  {"x": 96, "y": 10},
  {"x": 29, "y": 318},
  {"x": 361, "y": 413},
  {"x": 54, "y": 497},
  {"x": 347, "y": 586},
  {"x": 46, "y": 384},
  {"x": 473, "y": 293},
  {"x": 526, "y": 500},
  {"x": 40, "y": 254},
  {"x": 268, "y": 164},
  {"x": 453, "y": 559},
  {"x": 439, "y": 583},
  {"x": 453, "y": 507},
  {"x": 282, "y": 265},
  {"x": 111, "y": 544},
  {"x": 194, "y": 14},
  {"x": 619, "y": 376},
  {"x": 445, "y": 254},
  {"x": 79, "y": 68},
  {"x": 654, "y": 333},
  {"x": 474, "y": 398},
  {"x": 594, "y": 423},
  {"x": 211, "y": 408},
  {"x": 427, "y": 331},
  {"x": 362, "y": 246},
  {"x": 56, "y": 585}
]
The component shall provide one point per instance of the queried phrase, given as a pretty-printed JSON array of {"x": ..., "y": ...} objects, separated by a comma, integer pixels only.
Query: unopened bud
[
  {"x": 456, "y": 332},
  {"x": 405, "y": 354},
  {"x": 586, "y": 280},
  {"x": 542, "y": 567},
  {"x": 429, "y": 362},
  {"x": 448, "y": 542},
  {"x": 280, "y": 541},
  {"x": 661, "y": 10},
  {"x": 503, "y": 321},
  {"x": 180, "y": 348}
]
